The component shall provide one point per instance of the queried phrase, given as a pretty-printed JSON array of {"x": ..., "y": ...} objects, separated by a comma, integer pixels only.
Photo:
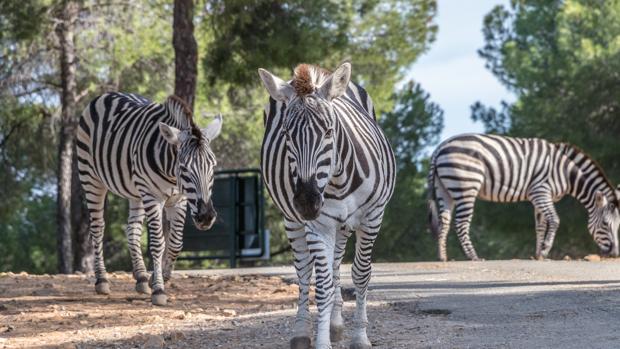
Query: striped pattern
[
  {"x": 330, "y": 170},
  {"x": 505, "y": 169},
  {"x": 153, "y": 155}
]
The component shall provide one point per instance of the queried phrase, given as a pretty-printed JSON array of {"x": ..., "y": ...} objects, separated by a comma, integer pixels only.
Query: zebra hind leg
[
  {"x": 95, "y": 201},
  {"x": 134, "y": 237},
  {"x": 442, "y": 240},
  {"x": 541, "y": 228},
  {"x": 462, "y": 219},
  {"x": 336, "y": 324}
]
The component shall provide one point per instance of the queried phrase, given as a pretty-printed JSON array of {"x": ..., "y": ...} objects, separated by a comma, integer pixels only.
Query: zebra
[
  {"x": 156, "y": 157},
  {"x": 506, "y": 169},
  {"x": 330, "y": 170}
]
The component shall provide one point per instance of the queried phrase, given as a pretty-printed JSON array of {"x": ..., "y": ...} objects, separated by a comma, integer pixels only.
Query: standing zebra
[
  {"x": 156, "y": 157},
  {"x": 506, "y": 169},
  {"x": 330, "y": 170}
]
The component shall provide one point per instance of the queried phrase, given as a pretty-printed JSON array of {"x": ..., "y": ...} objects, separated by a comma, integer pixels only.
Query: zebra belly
[{"x": 501, "y": 194}]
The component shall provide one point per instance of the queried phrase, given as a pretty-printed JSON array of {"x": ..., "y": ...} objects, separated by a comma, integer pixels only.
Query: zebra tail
[{"x": 433, "y": 219}]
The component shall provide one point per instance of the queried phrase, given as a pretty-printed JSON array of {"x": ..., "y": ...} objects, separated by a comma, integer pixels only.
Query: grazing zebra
[
  {"x": 330, "y": 170},
  {"x": 156, "y": 157},
  {"x": 506, "y": 169}
]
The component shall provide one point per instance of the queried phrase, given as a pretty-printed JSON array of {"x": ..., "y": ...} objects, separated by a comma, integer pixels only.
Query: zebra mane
[
  {"x": 572, "y": 151},
  {"x": 307, "y": 77},
  {"x": 182, "y": 113}
]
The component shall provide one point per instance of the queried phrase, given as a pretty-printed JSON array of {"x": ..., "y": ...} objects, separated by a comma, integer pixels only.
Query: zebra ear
[
  {"x": 336, "y": 84},
  {"x": 278, "y": 89},
  {"x": 601, "y": 199},
  {"x": 213, "y": 129},
  {"x": 171, "y": 134}
]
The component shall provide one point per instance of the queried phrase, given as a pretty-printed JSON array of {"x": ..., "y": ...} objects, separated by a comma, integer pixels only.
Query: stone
[{"x": 151, "y": 341}]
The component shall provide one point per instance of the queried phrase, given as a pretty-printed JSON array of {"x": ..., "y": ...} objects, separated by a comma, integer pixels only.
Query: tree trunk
[
  {"x": 84, "y": 256},
  {"x": 185, "y": 51},
  {"x": 65, "y": 33}
]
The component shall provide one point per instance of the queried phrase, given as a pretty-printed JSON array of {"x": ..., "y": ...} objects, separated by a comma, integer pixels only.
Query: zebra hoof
[
  {"x": 102, "y": 286},
  {"x": 159, "y": 298},
  {"x": 300, "y": 343},
  {"x": 143, "y": 287},
  {"x": 336, "y": 332}
]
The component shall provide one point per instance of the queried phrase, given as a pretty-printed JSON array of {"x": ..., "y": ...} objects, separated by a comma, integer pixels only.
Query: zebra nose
[
  {"x": 206, "y": 215},
  {"x": 307, "y": 199}
]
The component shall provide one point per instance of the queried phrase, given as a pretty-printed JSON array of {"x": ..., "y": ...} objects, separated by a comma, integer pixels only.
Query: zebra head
[
  {"x": 194, "y": 167},
  {"x": 603, "y": 223},
  {"x": 310, "y": 129}
]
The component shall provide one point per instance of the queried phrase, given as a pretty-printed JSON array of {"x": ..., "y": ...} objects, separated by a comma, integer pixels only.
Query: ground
[{"x": 493, "y": 304}]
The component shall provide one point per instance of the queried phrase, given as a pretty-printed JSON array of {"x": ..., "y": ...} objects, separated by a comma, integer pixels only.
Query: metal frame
[{"x": 235, "y": 252}]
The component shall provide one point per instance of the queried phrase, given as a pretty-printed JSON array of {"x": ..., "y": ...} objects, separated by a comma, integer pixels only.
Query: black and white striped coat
[
  {"x": 505, "y": 169},
  {"x": 153, "y": 155},
  {"x": 330, "y": 170}
]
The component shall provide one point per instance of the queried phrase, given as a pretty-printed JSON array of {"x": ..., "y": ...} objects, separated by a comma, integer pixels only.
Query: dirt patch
[{"x": 53, "y": 310}]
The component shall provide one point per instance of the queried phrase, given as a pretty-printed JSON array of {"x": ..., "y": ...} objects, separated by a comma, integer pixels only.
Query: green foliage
[
  {"x": 252, "y": 34},
  {"x": 561, "y": 59},
  {"x": 382, "y": 39},
  {"x": 413, "y": 126}
]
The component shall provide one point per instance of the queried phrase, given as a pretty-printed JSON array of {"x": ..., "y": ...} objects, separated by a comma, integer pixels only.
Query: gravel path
[{"x": 495, "y": 304}]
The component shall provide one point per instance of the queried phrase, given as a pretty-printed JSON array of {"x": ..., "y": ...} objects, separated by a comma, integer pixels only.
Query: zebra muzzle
[
  {"x": 307, "y": 200},
  {"x": 206, "y": 215}
]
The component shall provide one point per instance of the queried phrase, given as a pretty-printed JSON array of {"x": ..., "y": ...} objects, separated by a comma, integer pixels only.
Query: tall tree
[
  {"x": 65, "y": 31},
  {"x": 185, "y": 51}
]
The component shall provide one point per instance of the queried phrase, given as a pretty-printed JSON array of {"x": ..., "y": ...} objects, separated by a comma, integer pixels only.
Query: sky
[{"x": 452, "y": 72}]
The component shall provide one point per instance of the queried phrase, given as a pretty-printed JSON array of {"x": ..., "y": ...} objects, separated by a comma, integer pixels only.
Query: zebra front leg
[
  {"x": 174, "y": 238},
  {"x": 336, "y": 329},
  {"x": 134, "y": 241},
  {"x": 321, "y": 246},
  {"x": 462, "y": 220},
  {"x": 544, "y": 204},
  {"x": 95, "y": 201},
  {"x": 553, "y": 223},
  {"x": 153, "y": 208},
  {"x": 302, "y": 330},
  {"x": 361, "y": 272}
]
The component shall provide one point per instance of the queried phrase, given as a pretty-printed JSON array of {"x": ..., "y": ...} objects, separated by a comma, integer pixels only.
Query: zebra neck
[
  {"x": 586, "y": 178},
  {"x": 168, "y": 152}
]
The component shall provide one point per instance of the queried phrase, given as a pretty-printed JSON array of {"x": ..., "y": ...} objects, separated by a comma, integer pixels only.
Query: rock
[
  {"x": 179, "y": 315},
  {"x": 151, "y": 341},
  {"x": 229, "y": 312},
  {"x": 177, "y": 336},
  {"x": 6, "y": 328},
  {"x": 567, "y": 258},
  {"x": 592, "y": 258}
]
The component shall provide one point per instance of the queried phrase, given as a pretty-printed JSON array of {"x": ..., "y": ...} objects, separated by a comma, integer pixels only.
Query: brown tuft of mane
[{"x": 305, "y": 78}]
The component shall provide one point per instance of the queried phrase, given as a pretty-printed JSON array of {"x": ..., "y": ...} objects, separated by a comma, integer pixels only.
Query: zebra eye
[{"x": 329, "y": 133}]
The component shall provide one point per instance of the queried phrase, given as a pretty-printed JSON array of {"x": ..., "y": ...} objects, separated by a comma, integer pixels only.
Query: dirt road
[{"x": 499, "y": 304}]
